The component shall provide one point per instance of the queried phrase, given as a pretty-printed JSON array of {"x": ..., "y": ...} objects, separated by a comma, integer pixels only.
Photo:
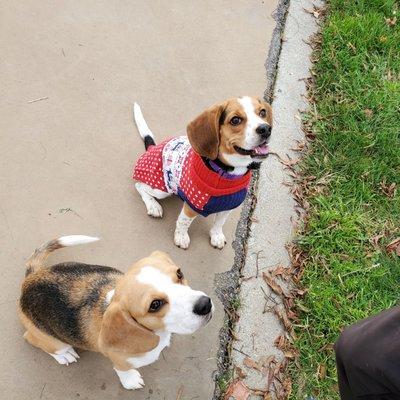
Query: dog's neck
[{"x": 228, "y": 171}]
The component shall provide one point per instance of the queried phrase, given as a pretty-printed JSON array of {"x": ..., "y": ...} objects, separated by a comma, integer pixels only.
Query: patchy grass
[
  {"x": 354, "y": 162},
  {"x": 224, "y": 381},
  {"x": 236, "y": 303}
]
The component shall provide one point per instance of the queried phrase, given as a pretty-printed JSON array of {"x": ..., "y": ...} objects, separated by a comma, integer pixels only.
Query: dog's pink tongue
[{"x": 261, "y": 150}]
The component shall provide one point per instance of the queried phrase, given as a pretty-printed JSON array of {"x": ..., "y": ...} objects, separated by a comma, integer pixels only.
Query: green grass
[
  {"x": 224, "y": 381},
  {"x": 236, "y": 303},
  {"x": 356, "y": 121}
]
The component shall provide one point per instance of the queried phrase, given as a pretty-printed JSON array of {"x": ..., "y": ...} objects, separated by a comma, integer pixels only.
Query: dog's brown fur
[
  {"x": 211, "y": 134},
  {"x": 65, "y": 304}
]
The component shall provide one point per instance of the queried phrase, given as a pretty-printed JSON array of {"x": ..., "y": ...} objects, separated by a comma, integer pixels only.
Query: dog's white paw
[
  {"x": 154, "y": 209},
  {"x": 182, "y": 239},
  {"x": 217, "y": 240},
  {"x": 65, "y": 356},
  {"x": 130, "y": 379}
]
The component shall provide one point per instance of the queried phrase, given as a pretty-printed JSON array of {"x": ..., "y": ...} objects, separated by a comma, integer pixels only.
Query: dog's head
[
  {"x": 153, "y": 296},
  {"x": 236, "y": 131}
]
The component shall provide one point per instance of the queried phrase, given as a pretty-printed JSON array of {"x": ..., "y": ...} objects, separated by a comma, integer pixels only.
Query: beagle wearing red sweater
[
  {"x": 210, "y": 168},
  {"x": 129, "y": 318}
]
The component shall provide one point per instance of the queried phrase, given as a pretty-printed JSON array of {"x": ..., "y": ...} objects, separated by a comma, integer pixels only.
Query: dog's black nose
[
  {"x": 264, "y": 130},
  {"x": 203, "y": 306}
]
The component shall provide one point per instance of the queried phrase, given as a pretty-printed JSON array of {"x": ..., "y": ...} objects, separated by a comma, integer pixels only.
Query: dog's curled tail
[
  {"x": 144, "y": 131},
  {"x": 39, "y": 256}
]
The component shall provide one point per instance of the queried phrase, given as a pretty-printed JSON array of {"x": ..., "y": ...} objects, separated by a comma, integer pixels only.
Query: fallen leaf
[
  {"x": 299, "y": 292},
  {"x": 271, "y": 376},
  {"x": 281, "y": 271},
  {"x": 394, "y": 246},
  {"x": 316, "y": 12},
  {"x": 287, "y": 387},
  {"x": 249, "y": 363},
  {"x": 281, "y": 314},
  {"x": 270, "y": 281},
  {"x": 368, "y": 113},
  {"x": 266, "y": 362},
  {"x": 391, "y": 75},
  {"x": 258, "y": 392},
  {"x": 237, "y": 390},
  {"x": 291, "y": 314},
  {"x": 388, "y": 189},
  {"x": 391, "y": 21},
  {"x": 289, "y": 162},
  {"x": 299, "y": 147},
  {"x": 321, "y": 371},
  {"x": 240, "y": 373},
  {"x": 289, "y": 354},
  {"x": 280, "y": 342},
  {"x": 375, "y": 240}
]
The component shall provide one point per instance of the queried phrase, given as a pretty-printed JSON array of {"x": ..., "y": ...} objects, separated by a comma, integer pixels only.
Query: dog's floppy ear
[
  {"x": 203, "y": 132},
  {"x": 120, "y": 332}
]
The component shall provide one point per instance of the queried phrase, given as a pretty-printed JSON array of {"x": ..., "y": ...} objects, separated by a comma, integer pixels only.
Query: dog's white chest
[{"x": 152, "y": 355}]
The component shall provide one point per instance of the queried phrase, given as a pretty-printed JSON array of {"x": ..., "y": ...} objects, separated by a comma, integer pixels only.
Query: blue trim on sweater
[{"x": 217, "y": 203}]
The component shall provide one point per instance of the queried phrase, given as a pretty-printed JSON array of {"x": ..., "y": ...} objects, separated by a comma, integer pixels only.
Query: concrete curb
[
  {"x": 228, "y": 284},
  {"x": 271, "y": 226}
]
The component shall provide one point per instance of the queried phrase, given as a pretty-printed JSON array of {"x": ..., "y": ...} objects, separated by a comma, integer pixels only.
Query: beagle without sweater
[
  {"x": 210, "y": 168},
  {"x": 129, "y": 317}
]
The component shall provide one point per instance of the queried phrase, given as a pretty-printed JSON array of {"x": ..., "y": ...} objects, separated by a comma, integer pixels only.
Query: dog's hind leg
[
  {"x": 62, "y": 352},
  {"x": 149, "y": 196}
]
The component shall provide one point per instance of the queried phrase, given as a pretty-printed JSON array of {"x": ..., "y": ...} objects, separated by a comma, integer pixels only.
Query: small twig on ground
[
  {"x": 41, "y": 392},
  {"x": 180, "y": 393},
  {"x": 241, "y": 352},
  {"x": 39, "y": 99},
  {"x": 268, "y": 298},
  {"x": 257, "y": 268},
  {"x": 66, "y": 210},
  {"x": 361, "y": 270}
]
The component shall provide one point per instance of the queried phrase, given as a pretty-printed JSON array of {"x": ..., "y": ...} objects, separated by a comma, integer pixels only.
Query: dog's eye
[
  {"x": 236, "y": 121},
  {"x": 156, "y": 305},
  {"x": 179, "y": 274},
  {"x": 262, "y": 113}
]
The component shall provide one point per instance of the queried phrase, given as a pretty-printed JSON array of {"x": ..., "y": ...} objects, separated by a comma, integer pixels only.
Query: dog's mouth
[{"x": 261, "y": 151}]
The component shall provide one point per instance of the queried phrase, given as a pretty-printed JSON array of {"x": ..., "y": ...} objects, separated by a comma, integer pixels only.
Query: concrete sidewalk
[{"x": 70, "y": 73}]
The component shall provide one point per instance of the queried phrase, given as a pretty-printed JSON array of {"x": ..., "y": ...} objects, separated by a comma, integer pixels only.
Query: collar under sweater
[{"x": 210, "y": 181}]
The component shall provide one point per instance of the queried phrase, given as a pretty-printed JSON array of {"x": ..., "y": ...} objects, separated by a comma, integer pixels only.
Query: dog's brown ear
[
  {"x": 120, "y": 332},
  {"x": 203, "y": 132}
]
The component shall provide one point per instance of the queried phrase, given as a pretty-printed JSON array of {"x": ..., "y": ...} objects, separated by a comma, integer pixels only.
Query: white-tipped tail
[
  {"x": 141, "y": 124},
  {"x": 39, "y": 256},
  {"x": 73, "y": 240}
]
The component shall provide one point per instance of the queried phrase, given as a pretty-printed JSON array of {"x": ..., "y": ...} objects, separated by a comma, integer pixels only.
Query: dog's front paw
[
  {"x": 217, "y": 240},
  {"x": 130, "y": 379},
  {"x": 182, "y": 239},
  {"x": 154, "y": 209},
  {"x": 65, "y": 356}
]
